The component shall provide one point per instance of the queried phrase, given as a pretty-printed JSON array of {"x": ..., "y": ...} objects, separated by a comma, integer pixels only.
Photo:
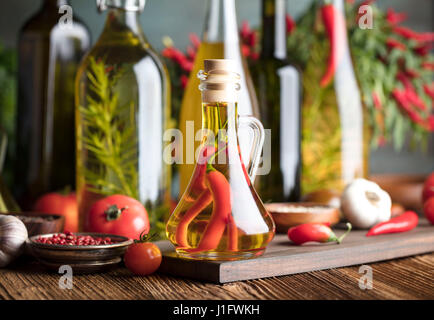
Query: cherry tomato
[
  {"x": 428, "y": 188},
  {"x": 428, "y": 209},
  {"x": 119, "y": 215},
  {"x": 143, "y": 258},
  {"x": 65, "y": 205}
]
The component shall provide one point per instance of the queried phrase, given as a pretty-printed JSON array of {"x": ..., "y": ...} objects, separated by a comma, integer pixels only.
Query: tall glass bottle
[
  {"x": 7, "y": 202},
  {"x": 335, "y": 128},
  {"x": 122, "y": 111},
  {"x": 50, "y": 48},
  {"x": 220, "y": 41},
  {"x": 278, "y": 85}
]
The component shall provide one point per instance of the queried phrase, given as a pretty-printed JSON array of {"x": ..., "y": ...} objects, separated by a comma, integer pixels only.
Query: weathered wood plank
[
  {"x": 407, "y": 278},
  {"x": 282, "y": 258}
]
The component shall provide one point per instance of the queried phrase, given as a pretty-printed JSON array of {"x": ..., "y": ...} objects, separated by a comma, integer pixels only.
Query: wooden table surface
[{"x": 407, "y": 278}]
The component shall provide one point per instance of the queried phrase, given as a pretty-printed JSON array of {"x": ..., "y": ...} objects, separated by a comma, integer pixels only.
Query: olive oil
[
  {"x": 122, "y": 111},
  {"x": 48, "y": 55}
]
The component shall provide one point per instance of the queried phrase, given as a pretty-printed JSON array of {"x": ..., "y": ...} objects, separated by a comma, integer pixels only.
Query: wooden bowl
[
  {"x": 287, "y": 215},
  {"x": 405, "y": 189},
  {"x": 82, "y": 259},
  {"x": 39, "y": 223}
]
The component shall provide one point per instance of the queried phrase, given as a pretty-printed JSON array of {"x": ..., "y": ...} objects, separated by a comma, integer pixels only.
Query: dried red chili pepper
[
  {"x": 377, "y": 101},
  {"x": 410, "y": 34},
  {"x": 423, "y": 49},
  {"x": 290, "y": 24},
  {"x": 395, "y": 44},
  {"x": 413, "y": 98},
  {"x": 221, "y": 194},
  {"x": 316, "y": 232},
  {"x": 200, "y": 204},
  {"x": 428, "y": 66},
  {"x": 335, "y": 27},
  {"x": 429, "y": 90},
  {"x": 401, "y": 98},
  {"x": 394, "y": 17},
  {"x": 405, "y": 222}
]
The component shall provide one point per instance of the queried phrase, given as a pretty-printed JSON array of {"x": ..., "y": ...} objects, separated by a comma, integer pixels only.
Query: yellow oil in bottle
[
  {"x": 191, "y": 101},
  {"x": 248, "y": 228}
]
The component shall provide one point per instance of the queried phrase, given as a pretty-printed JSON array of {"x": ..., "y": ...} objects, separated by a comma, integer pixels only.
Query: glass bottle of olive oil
[
  {"x": 334, "y": 124},
  {"x": 7, "y": 202},
  {"x": 278, "y": 85},
  {"x": 220, "y": 41},
  {"x": 50, "y": 48},
  {"x": 122, "y": 111}
]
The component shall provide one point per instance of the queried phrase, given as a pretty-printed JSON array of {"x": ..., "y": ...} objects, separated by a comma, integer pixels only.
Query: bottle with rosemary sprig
[{"x": 122, "y": 111}]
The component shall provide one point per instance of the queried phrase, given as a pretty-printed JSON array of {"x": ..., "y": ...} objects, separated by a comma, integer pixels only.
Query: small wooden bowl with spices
[
  {"x": 84, "y": 252},
  {"x": 288, "y": 214}
]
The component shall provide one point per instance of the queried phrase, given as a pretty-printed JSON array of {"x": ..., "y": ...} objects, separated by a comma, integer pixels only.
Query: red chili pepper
[
  {"x": 335, "y": 27},
  {"x": 423, "y": 49},
  {"x": 410, "y": 34},
  {"x": 195, "y": 40},
  {"x": 405, "y": 222},
  {"x": 406, "y": 106},
  {"x": 429, "y": 90},
  {"x": 290, "y": 24},
  {"x": 181, "y": 230},
  {"x": 428, "y": 66},
  {"x": 220, "y": 217},
  {"x": 413, "y": 98},
  {"x": 184, "y": 81},
  {"x": 395, "y": 44},
  {"x": 394, "y": 17},
  {"x": 377, "y": 101},
  {"x": 316, "y": 232},
  {"x": 411, "y": 73}
]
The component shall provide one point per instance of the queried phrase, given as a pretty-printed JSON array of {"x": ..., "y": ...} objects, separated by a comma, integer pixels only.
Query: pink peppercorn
[{"x": 70, "y": 239}]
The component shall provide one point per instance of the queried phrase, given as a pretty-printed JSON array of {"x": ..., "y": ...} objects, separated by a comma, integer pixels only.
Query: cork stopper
[
  {"x": 218, "y": 81},
  {"x": 225, "y": 65}
]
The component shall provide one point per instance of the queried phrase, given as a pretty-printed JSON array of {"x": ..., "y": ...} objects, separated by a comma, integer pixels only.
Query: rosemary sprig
[{"x": 109, "y": 135}]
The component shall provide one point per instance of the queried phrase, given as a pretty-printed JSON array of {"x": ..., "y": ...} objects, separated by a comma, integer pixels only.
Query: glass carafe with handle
[{"x": 220, "y": 216}]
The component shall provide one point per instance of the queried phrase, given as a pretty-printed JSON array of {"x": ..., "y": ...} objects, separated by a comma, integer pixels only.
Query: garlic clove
[{"x": 365, "y": 204}]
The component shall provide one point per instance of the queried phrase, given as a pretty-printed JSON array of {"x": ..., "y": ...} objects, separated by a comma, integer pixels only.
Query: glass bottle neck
[
  {"x": 221, "y": 22},
  {"x": 274, "y": 29},
  {"x": 121, "y": 22},
  {"x": 54, "y": 3}
]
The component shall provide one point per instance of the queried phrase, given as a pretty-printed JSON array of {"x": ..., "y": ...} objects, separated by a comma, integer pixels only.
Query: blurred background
[{"x": 177, "y": 18}]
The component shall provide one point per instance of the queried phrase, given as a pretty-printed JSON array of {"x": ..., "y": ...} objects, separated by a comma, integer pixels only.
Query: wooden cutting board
[{"x": 283, "y": 258}]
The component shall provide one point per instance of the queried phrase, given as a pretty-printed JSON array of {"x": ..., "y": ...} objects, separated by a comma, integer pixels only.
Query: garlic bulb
[
  {"x": 365, "y": 204},
  {"x": 13, "y": 234}
]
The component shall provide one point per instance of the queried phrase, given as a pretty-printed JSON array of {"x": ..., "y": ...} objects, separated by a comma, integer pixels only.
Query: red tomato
[
  {"x": 428, "y": 209},
  {"x": 119, "y": 215},
  {"x": 143, "y": 258},
  {"x": 428, "y": 188},
  {"x": 65, "y": 205}
]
